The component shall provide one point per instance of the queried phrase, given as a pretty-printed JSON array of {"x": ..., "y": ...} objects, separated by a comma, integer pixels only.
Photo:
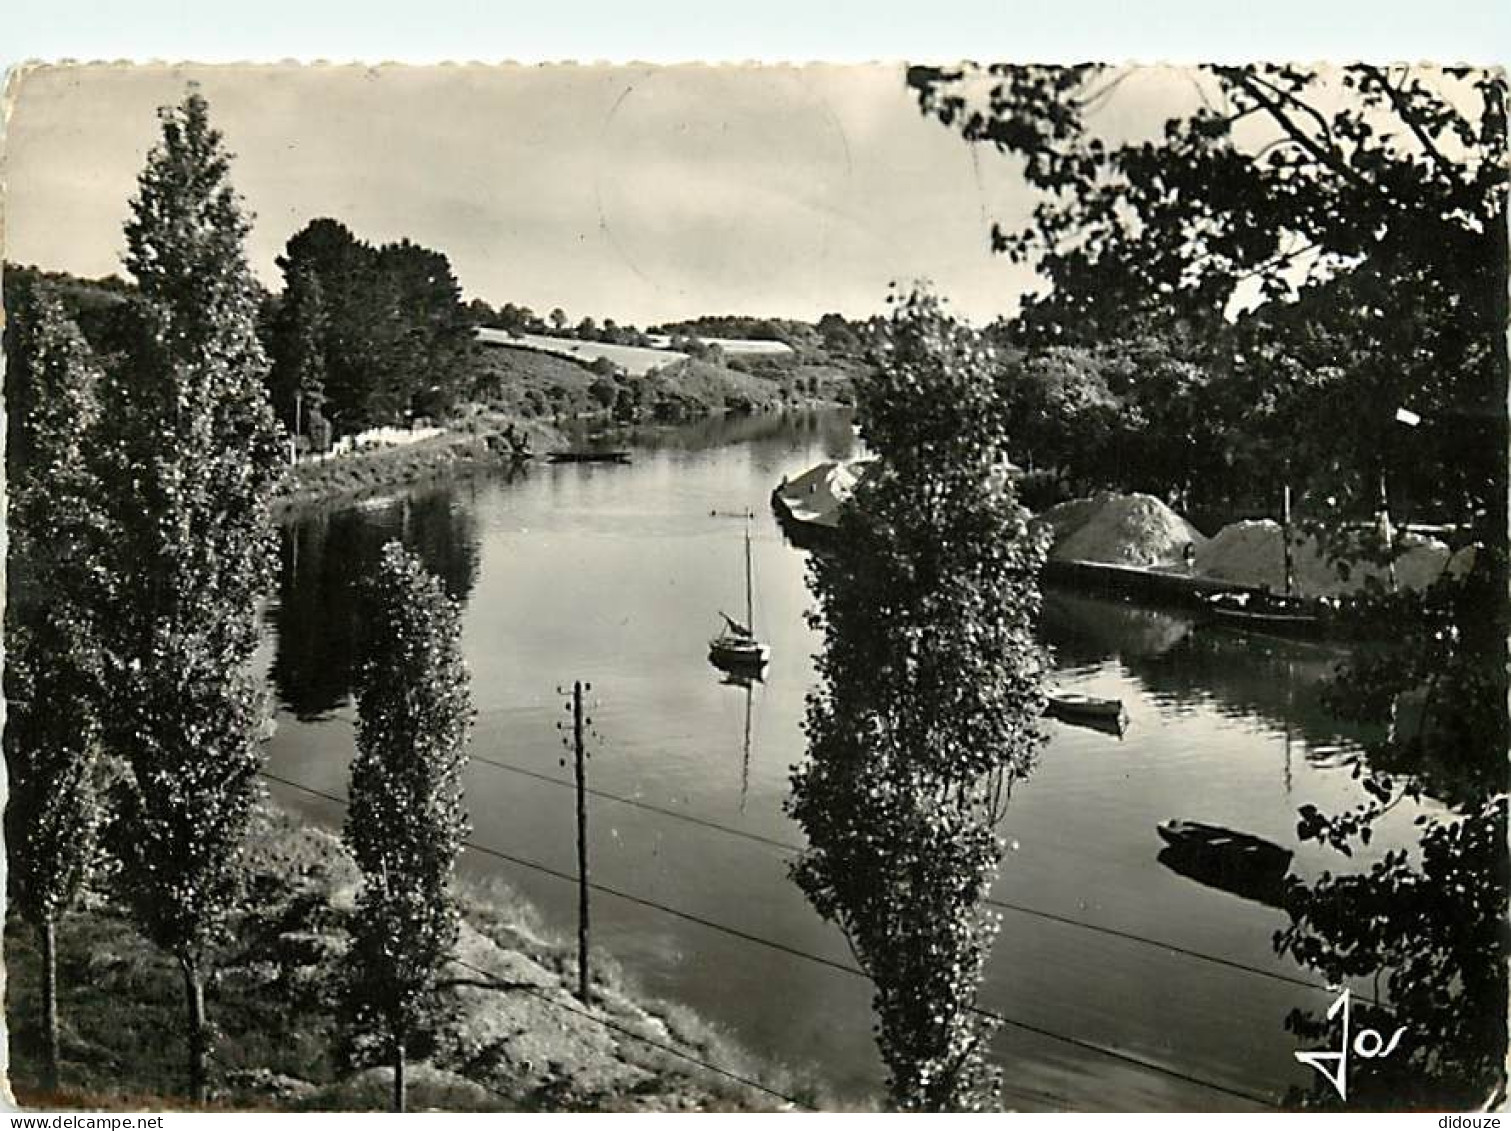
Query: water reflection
[
  {"x": 612, "y": 573},
  {"x": 746, "y": 685},
  {"x": 1182, "y": 662},
  {"x": 326, "y": 555},
  {"x": 771, "y": 435}
]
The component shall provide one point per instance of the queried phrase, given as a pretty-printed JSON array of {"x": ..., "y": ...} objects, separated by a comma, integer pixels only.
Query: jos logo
[{"x": 1367, "y": 1045}]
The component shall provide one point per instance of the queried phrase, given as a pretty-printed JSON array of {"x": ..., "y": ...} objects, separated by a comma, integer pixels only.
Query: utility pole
[
  {"x": 580, "y": 754},
  {"x": 1387, "y": 533},
  {"x": 1285, "y": 539}
]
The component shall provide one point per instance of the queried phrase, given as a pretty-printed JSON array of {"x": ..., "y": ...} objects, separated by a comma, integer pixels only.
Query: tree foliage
[
  {"x": 55, "y": 528},
  {"x": 191, "y": 456},
  {"x": 1358, "y": 215},
  {"x": 52, "y": 729},
  {"x": 1430, "y": 923},
  {"x": 406, "y": 821},
  {"x": 1334, "y": 246},
  {"x": 300, "y": 327},
  {"x": 384, "y": 329},
  {"x": 928, "y": 701}
]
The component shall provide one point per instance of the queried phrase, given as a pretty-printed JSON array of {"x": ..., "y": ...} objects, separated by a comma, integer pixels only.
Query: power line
[
  {"x": 628, "y": 1032},
  {"x": 1006, "y": 905},
  {"x": 1090, "y": 1046},
  {"x": 635, "y": 803}
]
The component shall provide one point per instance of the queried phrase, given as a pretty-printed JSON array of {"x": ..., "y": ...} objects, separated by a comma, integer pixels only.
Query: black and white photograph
[{"x": 912, "y": 586}]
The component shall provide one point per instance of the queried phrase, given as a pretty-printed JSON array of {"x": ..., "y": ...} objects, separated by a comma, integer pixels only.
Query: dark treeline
[
  {"x": 365, "y": 335},
  {"x": 1215, "y": 414},
  {"x": 832, "y": 334},
  {"x": 319, "y": 610},
  {"x": 360, "y": 337},
  {"x": 1224, "y": 314}
]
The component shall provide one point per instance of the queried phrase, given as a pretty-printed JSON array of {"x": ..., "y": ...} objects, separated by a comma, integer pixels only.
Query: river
[{"x": 1127, "y": 985}]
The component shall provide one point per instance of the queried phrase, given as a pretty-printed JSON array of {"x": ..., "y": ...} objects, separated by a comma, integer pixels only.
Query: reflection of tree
[
  {"x": 1266, "y": 678},
  {"x": 1088, "y": 630},
  {"x": 1430, "y": 923},
  {"x": 325, "y": 557},
  {"x": 927, "y": 708}
]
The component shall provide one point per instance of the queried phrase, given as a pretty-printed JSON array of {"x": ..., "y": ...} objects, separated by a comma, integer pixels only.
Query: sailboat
[{"x": 736, "y": 649}]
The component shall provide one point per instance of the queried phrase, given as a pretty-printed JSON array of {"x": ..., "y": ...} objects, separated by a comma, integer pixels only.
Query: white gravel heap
[
  {"x": 1251, "y": 553},
  {"x": 1140, "y": 530},
  {"x": 1135, "y": 530}
]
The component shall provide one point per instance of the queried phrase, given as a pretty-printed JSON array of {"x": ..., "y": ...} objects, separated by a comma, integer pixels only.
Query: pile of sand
[
  {"x": 1135, "y": 530},
  {"x": 1251, "y": 553}
]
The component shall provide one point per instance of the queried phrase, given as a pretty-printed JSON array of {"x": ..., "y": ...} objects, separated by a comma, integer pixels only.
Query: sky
[{"x": 638, "y": 193}]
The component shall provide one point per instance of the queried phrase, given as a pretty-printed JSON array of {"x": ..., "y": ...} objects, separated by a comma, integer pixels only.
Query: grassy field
[
  {"x": 637, "y": 361},
  {"x": 515, "y": 1039}
]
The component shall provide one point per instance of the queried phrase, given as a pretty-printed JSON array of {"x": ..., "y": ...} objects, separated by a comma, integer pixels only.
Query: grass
[
  {"x": 271, "y": 1005},
  {"x": 534, "y": 385}
]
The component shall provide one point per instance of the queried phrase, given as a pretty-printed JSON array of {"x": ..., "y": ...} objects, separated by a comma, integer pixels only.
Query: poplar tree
[
  {"x": 406, "y": 821},
  {"x": 193, "y": 458},
  {"x": 51, "y": 654},
  {"x": 928, "y": 701}
]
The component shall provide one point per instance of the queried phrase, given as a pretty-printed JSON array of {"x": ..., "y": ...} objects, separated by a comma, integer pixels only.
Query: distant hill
[{"x": 725, "y": 363}]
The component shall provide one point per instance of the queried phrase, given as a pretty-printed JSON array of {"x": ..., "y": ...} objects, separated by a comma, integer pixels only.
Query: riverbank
[
  {"x": 469, "y": 447},
  {"x": 516, "y": 1039}
]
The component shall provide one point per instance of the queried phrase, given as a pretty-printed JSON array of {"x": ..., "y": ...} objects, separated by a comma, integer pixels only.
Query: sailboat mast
[{"x": 749, "y": 601}]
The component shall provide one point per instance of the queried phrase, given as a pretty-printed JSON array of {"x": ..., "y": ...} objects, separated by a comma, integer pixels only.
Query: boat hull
[
  {"x": 1236, "y": 851},
  {"x": 589, "y": 457},
  {"x": 741, "y": 658},
  {"x": 1298, "y": 625},
  {"x": 1106, "y": 715}
]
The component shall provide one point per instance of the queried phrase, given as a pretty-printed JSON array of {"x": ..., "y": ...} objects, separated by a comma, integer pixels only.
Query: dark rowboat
[
  {"x": 589, "y": 457},
  {"x": 1249, "y": 867},
  {"x": 1241, "y": 856},
  {"x": 1275, "y": 616}
]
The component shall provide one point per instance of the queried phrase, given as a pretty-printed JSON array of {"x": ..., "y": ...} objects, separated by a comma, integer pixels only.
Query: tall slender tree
[
  {"x": 192, "y": 457},
  {"x": 297, "y": 377},
  {"x": 406, "y": 821},
  {"x": 51, "y": 654},
  {"x": 928, "y": 700}
]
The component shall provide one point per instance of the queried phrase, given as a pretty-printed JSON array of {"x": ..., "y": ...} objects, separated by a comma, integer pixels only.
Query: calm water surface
[{"x": 614, "y": 575}]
